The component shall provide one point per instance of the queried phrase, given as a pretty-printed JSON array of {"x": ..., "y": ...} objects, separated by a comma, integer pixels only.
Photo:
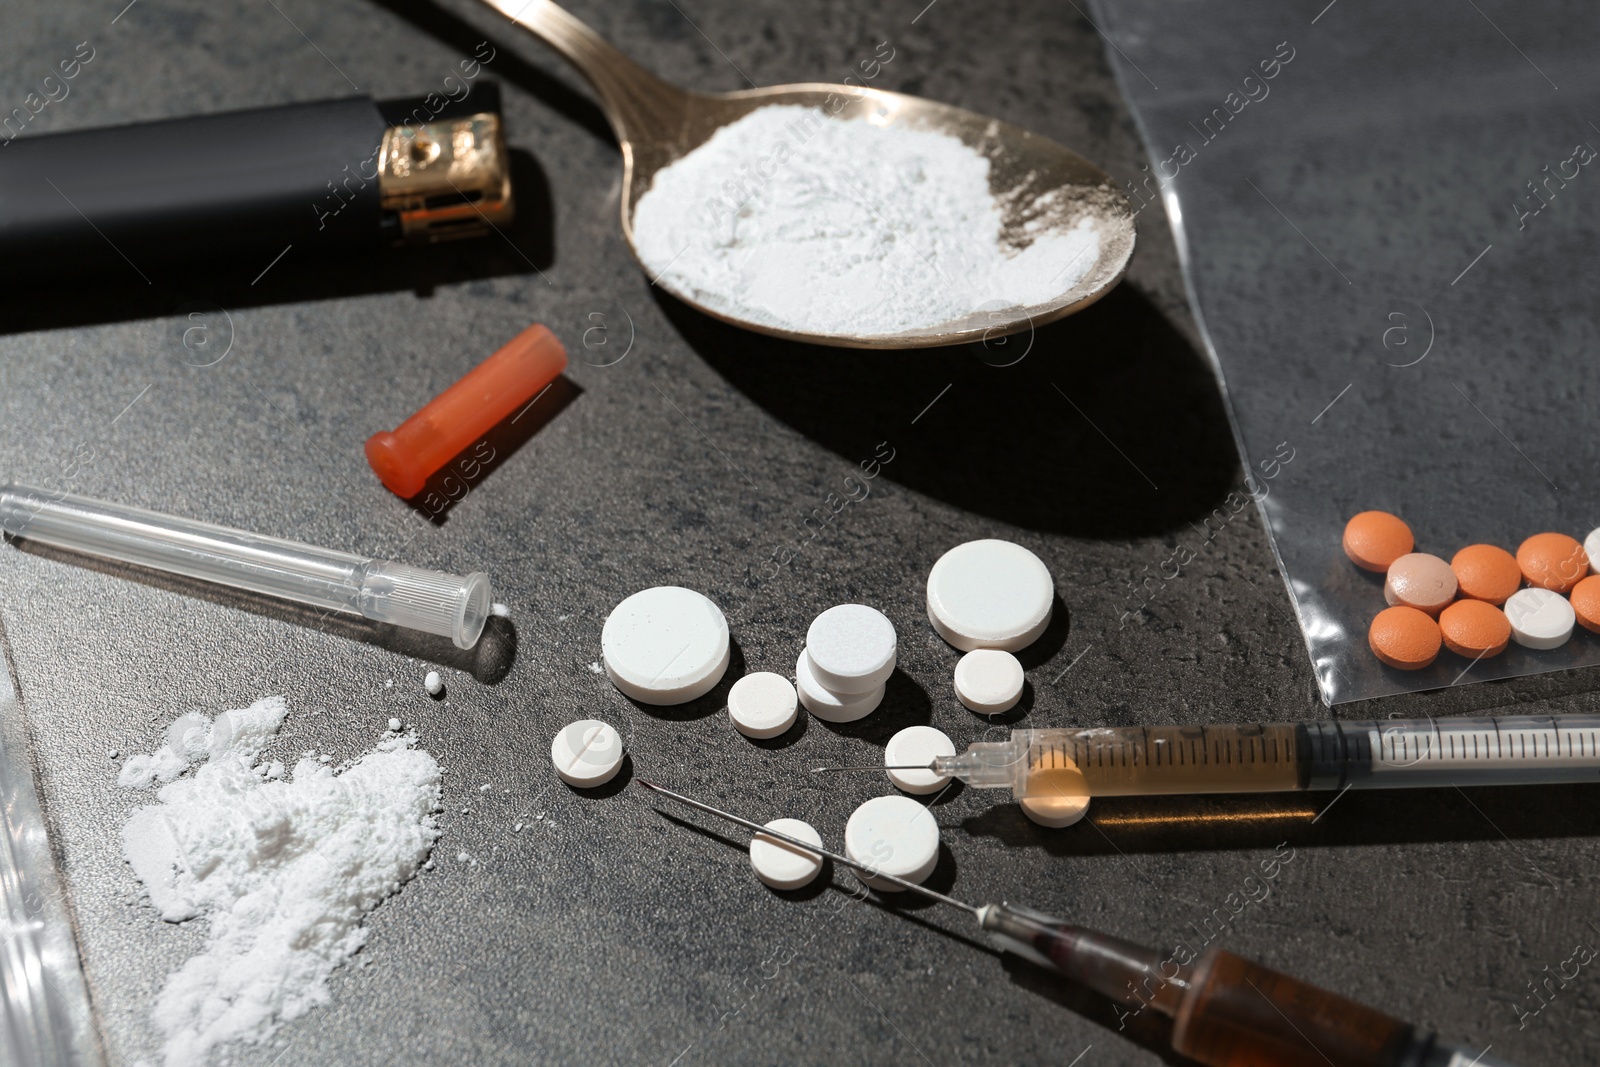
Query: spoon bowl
[{"x": 1034, "y": 179}]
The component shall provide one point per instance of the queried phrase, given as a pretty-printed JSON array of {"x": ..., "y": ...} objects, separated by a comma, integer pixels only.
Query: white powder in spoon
[
  {"x": 822, "y": 225},
  {"x": 282, "y": 868}
]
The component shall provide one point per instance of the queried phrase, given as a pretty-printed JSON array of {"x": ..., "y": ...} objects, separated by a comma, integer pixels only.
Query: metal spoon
[{"x": 657, "y": 123}]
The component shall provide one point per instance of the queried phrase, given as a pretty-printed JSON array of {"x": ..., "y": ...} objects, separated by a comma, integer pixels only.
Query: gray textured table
[{"x": 603, "y": 931}]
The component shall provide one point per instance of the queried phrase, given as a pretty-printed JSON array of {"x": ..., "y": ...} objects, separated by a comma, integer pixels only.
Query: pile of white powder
[
  {"x": 821, "y": 225},
  {"x": 282, "y": 866}
]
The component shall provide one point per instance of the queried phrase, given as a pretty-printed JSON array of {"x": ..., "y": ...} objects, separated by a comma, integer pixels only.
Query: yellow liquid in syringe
[{"x": 1143, "y": 761}]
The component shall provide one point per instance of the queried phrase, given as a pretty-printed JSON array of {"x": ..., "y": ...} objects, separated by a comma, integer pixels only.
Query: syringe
[
  {"x": 1226, "y": 1010},
  {"x": 1279, "y": 757},
  {"x": 453, "y": 606}
]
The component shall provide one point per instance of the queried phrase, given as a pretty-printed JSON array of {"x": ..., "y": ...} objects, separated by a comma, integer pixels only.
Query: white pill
[
  {"x": 1591, "y": 548},
  {"x": 852, "y": 648},
  {"x": 1539, "y": 618},
  {"x": 827, "y": 705},
  {"x": 780, "y": 864},
  {"x": 893, "y": 835},
  {"x": 762, "y": 704},
  {"x": 1056, "y": 812},
  {"x": 990, "y": 594},
  {"x": 433, "y": 683},
  {"x": 666, "y": 645},
  {"x": 919, "y": 745},
  {"x": 586, "y": 753},
  {"x": 394, "y": 725},
  {"x": 989, "y": 681}
]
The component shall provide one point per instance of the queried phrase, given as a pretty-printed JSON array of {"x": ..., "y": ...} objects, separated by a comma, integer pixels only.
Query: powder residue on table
[
  {"x": 282, "y": 867},
  {"x": 803, "y": 222}
]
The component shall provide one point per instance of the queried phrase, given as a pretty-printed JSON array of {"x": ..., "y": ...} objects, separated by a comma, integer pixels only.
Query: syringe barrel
[
  {"x": 1284, "y": 757},
  {"x": 1150, "y": 760},
  {"x": 1236, "y": 1013},
  {"x": 1227, "y": 1011},
  {"x": 432, "y": 601},
  {"x": 1482, "y": 750}
]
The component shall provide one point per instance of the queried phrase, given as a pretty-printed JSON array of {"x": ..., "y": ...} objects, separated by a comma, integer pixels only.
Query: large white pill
[
  {"x": 828, "y": 705},
  {"x": 666, "y": 645},
  {"x": 1591, "y": 548},
  {"x": 852, "y": 648},
  {"x": 780, "y": 864},
  {"x": 1056, "y": 812},
  {"x": 989, "y": 681},
  {"x": 1540, "y": 618},
  {"x": 893, "y": 835},
  {"x": 918, "y": 745},
  {"x": 990, "y": 594},
  {"x": 762, "y": 704},
  {"x": 586, "y": 753}
]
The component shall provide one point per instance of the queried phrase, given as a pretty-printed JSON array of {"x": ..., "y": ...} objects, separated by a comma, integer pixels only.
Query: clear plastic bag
[
  {"x": 46, "y": 1020},
  {"x": 1391, "y": 250}
]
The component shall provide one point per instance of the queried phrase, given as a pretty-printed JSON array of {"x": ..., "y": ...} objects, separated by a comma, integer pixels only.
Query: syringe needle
[
  {"x": 875, "y": 767},
  {"x": 1228, "y": 1025},
  {"x": 806, "y": 846}
]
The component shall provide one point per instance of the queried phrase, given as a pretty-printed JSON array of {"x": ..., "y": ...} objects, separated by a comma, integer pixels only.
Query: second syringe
[{"x": 1283, "y": 757}]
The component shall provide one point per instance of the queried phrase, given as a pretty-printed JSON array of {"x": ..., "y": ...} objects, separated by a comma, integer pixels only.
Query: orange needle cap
[{"x": 405, "y": 458}]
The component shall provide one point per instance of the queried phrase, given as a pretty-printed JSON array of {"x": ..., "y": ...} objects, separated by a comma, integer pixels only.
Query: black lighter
[{"x": 335, "y": 175}]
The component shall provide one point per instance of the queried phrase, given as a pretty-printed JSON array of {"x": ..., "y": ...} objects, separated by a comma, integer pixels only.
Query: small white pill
[
  {"x": 394, "y": 725},
  {"x": 894, "y": 835},
  {"x": 586, "y": 753},
  {"x": 829, "y": 706},
  {"x": 433, "y": 684},
  {"x": 989, "y": 681},
  {"x": 762, "y": 704},
  {"x": 990, "y": 594},
  {"x": 781, "y": 865},
  {"x": 665, "y": 645},
  {"x": 919, "y": 745},
  {"x": 852, "y": 648},
  {"x": 499, "y": 610},
  {"x": 1540, "y": 618},
  {"x": 1591, "y": 548},
  {"x": 1056, "y": 812}
]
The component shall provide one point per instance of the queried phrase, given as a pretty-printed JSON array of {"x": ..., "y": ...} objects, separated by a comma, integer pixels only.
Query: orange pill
[
  {"x": 1375, "y": 539},
  {"x": 1418, "y": 580},
  {"x": 1486, "y": 572},
  {"x": 1552, "y": 561},
  {"x": 1474, "y": 629},
  {"x": 1585, "y": 599},
  {"x": 1404, "y": 638}
]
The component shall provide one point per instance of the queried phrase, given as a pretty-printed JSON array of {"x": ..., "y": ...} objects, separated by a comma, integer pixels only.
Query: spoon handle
[{"x": 635, "y": 101}]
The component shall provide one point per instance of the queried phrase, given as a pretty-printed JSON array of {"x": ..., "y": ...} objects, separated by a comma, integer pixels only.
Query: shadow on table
[
  {"x": 507, "y": 65},
  {"x": 457, "y": 479},
  {"x": 709, "y": 703},
  {"x": 1130, "y": 825},
  {"x": 1110, "y": 425},
  {"x": 488, "y": 661}
]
